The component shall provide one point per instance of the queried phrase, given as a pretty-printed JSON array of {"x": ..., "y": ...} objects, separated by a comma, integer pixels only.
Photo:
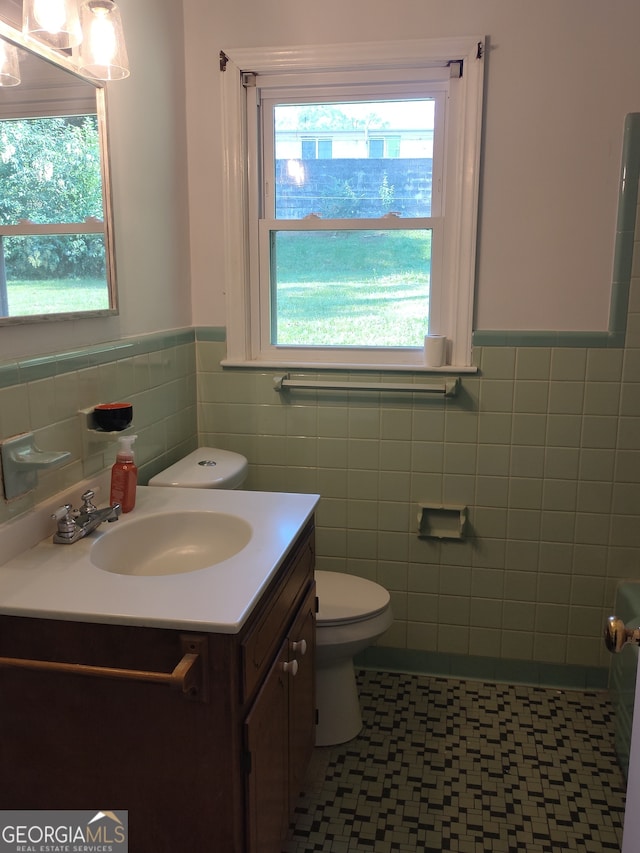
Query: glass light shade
[
  {"x": 9, "y": 65},
  {"x": 102, "y": 53},
  {"x": 55, "y": 22}
]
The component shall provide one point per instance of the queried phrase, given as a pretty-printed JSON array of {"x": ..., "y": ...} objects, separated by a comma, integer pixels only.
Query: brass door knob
[{"x": 617, "y": 635}]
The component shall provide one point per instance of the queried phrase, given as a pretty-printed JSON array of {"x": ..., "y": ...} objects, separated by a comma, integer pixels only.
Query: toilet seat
[{"x": 345, "y": 599}]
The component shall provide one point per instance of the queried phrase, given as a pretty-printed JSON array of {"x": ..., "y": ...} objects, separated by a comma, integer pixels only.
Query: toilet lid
[
  {"x": 205, "y": 468},
  {"x": 348, "y": 598}
]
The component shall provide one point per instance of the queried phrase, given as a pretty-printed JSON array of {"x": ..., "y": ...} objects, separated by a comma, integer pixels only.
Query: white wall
[
  {"x": 560, "y": 79},
  {"x": 148, "y": 159}
]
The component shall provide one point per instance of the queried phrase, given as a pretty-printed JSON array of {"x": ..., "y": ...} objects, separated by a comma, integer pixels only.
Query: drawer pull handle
[
  {"x": 290, "y": 666},
  {"x": 187, "y": 676},
  {"x": 299, "y": 646}
]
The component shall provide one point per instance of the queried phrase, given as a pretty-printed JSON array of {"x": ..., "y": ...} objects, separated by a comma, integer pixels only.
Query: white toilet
[
  {"x": 353, "y": 612},
  {"x": 205, "y": 468}
]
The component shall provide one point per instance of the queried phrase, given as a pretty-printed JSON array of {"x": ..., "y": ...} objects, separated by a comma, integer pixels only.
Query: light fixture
[
  {"x": 55, "y": 22},
  {"x": 103, "y": 53},
  {"x": 93, "y": 27},
  {"x": 9, "y": 65}
]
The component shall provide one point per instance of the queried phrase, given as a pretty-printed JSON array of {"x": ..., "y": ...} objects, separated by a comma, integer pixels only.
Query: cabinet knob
[
  {"x": 299, "y": 646},
  {"x": 290, "y": 666}
]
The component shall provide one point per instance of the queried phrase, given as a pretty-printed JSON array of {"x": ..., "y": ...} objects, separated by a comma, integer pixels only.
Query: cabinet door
[
  {"x": 302, "y": 694},
  {"x": 267, "y": 741}
]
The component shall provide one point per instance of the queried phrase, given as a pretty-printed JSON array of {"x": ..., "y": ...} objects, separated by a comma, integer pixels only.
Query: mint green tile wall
[
  {"x": 542, "y": 445},
  {"x": 156, "y": 373}
]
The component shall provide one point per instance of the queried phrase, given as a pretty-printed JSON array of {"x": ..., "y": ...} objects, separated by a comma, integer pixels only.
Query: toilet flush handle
[
  {"x": 299, "y": 646},
  {"x": 617, "y": 635}
]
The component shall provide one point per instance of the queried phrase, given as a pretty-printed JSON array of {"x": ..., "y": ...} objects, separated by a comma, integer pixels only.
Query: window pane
[
  {"x": 53, "y": 274},
  {"x": 50, "y": 169},
  {"x": 393, "y": 146},
  {"x": 372, "y": 158},
  {"x": 325, "y": 148},
  {"x": 308, "y": 149},
  {"x": 376, "y": 148},
  {"x": 350, "y": 288}
]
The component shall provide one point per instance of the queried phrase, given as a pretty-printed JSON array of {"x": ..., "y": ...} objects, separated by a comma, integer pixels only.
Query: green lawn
[
  {"x": 56, "y": 296},
  {"x": 357, "y": 288}
]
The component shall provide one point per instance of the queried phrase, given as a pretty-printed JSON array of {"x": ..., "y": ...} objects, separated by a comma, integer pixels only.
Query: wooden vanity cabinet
[
  {"x": 277, "y": 733},
  {"x": 214, "y": 768}
]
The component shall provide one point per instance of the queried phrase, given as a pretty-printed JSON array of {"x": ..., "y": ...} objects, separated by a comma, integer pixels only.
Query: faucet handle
[
  {"x": 87, "y": 501},
  {"x": 61, "y": 513},
  {"x": 62, "y": 516}
]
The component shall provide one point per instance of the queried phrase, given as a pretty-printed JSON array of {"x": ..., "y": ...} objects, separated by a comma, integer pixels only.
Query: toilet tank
[{"x": 205, "y": 468}]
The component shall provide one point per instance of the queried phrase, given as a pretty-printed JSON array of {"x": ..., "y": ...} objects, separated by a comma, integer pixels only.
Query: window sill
[{"x": 377, "y": 368}]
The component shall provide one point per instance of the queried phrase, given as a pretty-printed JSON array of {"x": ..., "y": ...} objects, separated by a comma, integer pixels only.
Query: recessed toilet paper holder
[{"x": 442, "y": 521}]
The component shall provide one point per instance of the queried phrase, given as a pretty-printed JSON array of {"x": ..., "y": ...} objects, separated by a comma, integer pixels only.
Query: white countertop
[{"x": 60, "y": 581}]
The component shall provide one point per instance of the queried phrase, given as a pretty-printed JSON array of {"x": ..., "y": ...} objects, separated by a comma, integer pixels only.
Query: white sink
[
  {"x": 187, "y": 559},
  {"x": 170, "y": 543}
]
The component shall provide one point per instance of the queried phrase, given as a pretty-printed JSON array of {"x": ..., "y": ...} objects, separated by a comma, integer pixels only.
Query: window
[
  {"x": 361, "y": 198},
  {"x": 52, "y": 241},
  {"x": 325, "y": 149},
  {"x": 311, "y": 148},
  {"x": 392, "y": 144},
  {"x": 389, "y": 146},
  {"x": 345, "y": 245},
  {"x": 376, "y": 146}
]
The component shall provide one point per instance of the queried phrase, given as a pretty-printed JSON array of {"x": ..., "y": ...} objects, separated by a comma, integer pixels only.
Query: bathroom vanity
[{"x": 201, "y": 731}]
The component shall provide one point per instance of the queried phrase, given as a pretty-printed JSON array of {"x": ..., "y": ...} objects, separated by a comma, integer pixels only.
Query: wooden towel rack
[{"x": 188, "y": 676}]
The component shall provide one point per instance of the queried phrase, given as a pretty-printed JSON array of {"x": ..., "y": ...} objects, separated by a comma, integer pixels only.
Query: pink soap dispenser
[{"x": 124, "y": 475}]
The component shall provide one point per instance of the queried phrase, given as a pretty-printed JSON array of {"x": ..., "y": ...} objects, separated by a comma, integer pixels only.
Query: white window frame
[{"x": 451, "y": 312}]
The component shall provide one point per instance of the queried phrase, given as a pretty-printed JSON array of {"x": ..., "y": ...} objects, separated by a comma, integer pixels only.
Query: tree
[{"x": 50, "y": 173}]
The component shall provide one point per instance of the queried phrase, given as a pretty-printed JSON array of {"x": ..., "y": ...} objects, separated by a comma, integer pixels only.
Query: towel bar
[
  {"x": 188, "y": 675},
  {"x": 447, "y": 388}
]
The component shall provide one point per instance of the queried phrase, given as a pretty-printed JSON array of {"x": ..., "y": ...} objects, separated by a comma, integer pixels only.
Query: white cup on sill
[{"x": 435, "y": 350}]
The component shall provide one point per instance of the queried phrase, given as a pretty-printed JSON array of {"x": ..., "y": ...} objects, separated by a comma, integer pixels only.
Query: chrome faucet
[{"x": 74, "y": 524}]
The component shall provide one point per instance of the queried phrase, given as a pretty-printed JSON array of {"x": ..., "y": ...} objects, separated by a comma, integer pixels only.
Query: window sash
[
  {"x": 25, "y": 227},
  {"x": 383, "y": 223},
  {"x": 334, "y": 355},
  {"x": 263, "y": 131}
]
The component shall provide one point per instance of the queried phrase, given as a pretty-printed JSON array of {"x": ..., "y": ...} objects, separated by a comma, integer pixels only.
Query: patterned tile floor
[{"x": 466, "y": 766}]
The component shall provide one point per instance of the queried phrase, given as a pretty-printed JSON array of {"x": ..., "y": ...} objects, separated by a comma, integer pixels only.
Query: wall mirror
[{"x": 56, "y": 231}]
